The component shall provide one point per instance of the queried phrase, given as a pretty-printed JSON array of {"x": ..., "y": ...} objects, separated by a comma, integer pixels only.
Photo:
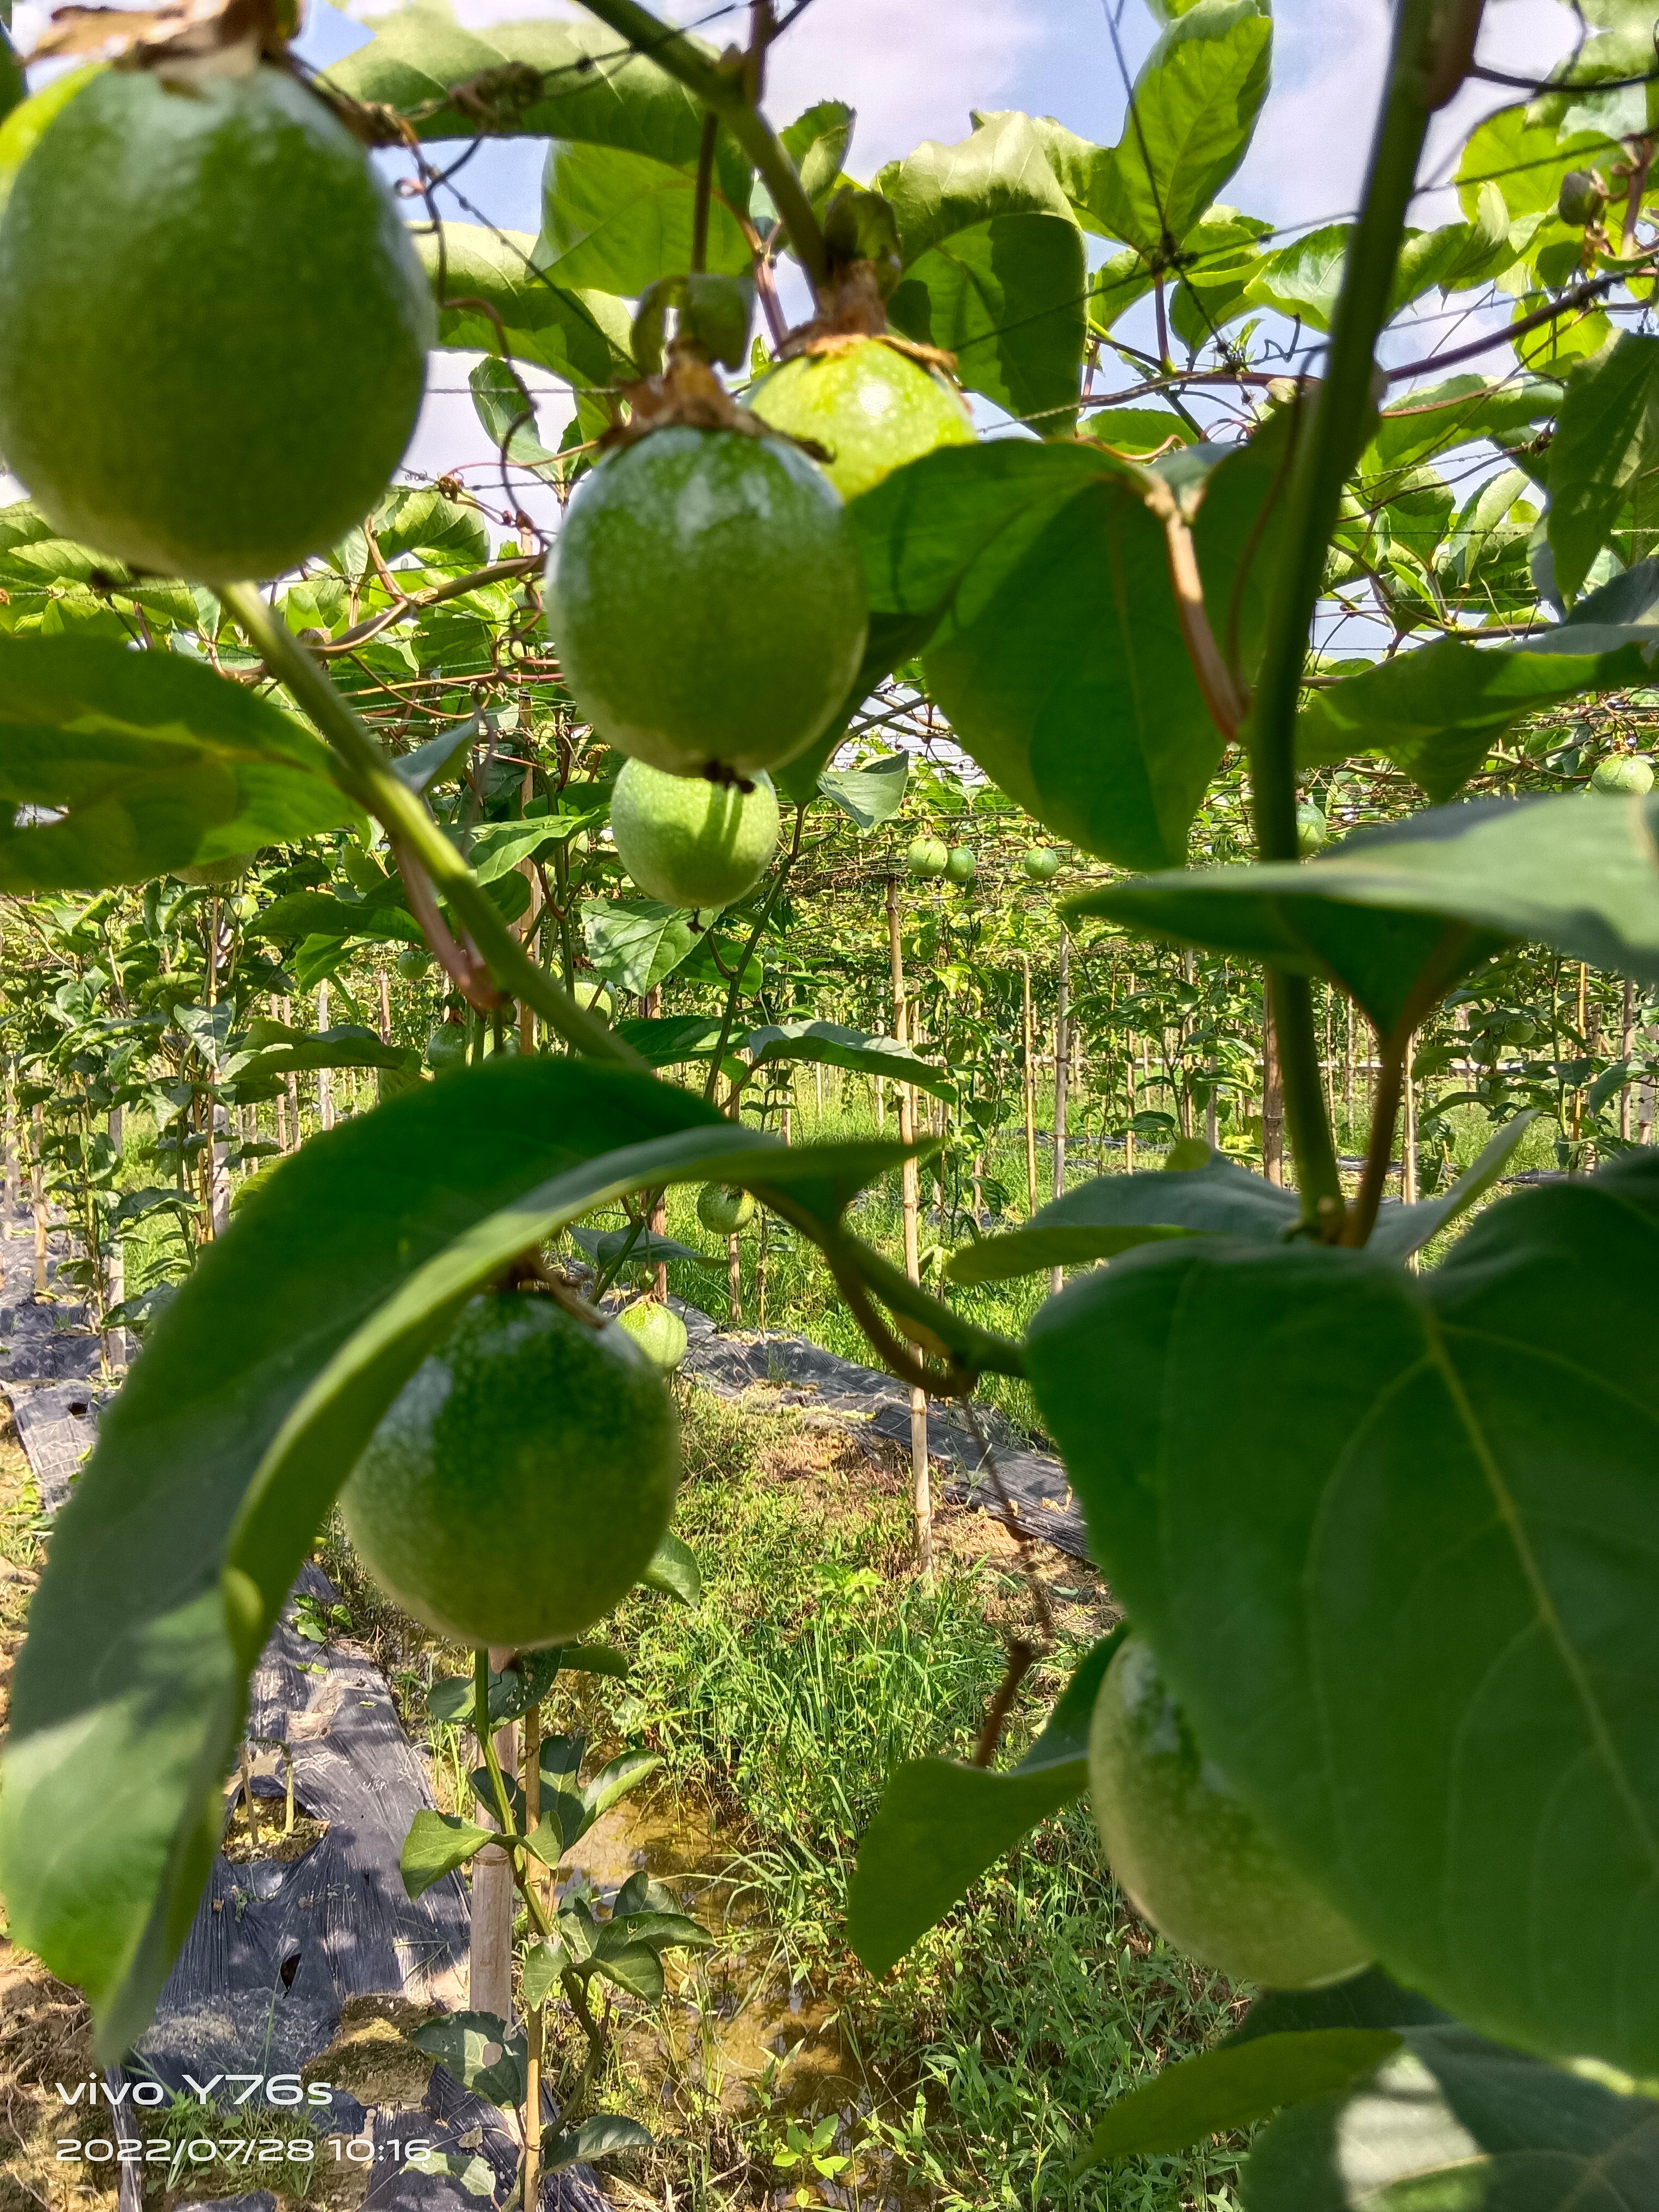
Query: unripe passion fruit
[
  {"x": 960, "y": 866},
  {"x": 706, "y": 596},
  {"x": 723, "y": 1209},
  {"x": 928, "y": 856},
  {"x": 689, "y": 842},
  {"x": 1627, "y": 776},
  {"x": 212, "y": 327},
  {"x": 1042, "y": 864},
  {"x": 522, "y": 1481},
  {"x": 1312, "y": 830},
  {"x": 412, "y": 963},
  {"x": 870, "y": 407},
  {"x": 1193, "y": 1860},
  {"x": 446, "y": 1048},
  {"x": 659, "y": 1332}
]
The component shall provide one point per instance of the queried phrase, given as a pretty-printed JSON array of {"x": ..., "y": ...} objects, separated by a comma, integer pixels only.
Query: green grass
[{"x": 817, "y": 1662}]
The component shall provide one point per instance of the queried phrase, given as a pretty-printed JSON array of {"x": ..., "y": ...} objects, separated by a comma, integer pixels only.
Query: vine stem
[
  {"x": 734, "y": 988},
  {"x": 1331, "y": 432},
  {"x": 408, "y": 823},
  {"x": 727, "y": 95}
]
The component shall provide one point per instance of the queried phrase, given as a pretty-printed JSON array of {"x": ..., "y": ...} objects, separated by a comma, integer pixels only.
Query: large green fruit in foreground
[
  {"x": 706, "y": 596},
  {"x": 1193, "y": 1860},
  {"x": 689, "y": 842},
  {"x": 523, "y": 1479},
  {"x": 658, "y": 1330},
  {"x": 212, "y": 327},
  {"x": 870, "y": 407}
]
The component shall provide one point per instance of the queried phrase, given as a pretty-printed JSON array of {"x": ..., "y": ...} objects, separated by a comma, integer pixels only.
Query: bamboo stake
[
  {"x": 1029, "y": 1037},
  {"x": 920, "y": 1472},
  {"x": 535, "y": 2026},
  {"x": 1062, "y": 1063}
]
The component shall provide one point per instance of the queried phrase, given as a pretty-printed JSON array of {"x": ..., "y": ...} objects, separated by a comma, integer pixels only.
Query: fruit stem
[
  {"x": 1331, "y": 432},
  {"x": 726, "y": 96},
  {"x": 403, "y": 815}
]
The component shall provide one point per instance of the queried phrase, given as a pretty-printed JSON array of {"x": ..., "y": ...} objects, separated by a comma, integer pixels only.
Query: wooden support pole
[
  {"x": 921, "y": 1475},
  {"x": 1062, "y": 1069}
]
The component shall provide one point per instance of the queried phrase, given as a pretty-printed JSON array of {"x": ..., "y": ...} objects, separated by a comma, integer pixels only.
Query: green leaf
[
  {"x": 1577, "y": 873},
  {"x": 441, "y": 759},
  {"x": 1460, "y": 2125},
  {"x": 598, "y": 2137},
  {"x": 835, "y": 1047},
  {"x": 870, "y": 794},
  {"x": 1460, "y": 411},
  {"x": 940, "y": 1824},
  {"x": 580, "y": 335},
  {"x": 1402, "y": 1230},
  {"x": 633, "y": 943},
  {"x": 1390, "y": 1536},
  {"x": 1438, "y": 712},
  {"x": 299, "y": 914},
  {"x": 1057, "y": 655},
  {"x": 674, "y": 1572},
  {"x": 438, "y": 1843},
  {"x": 1371, "y": 1999},
  {"x": 615, "y": 1779},
  {"x": 663, "y": 1931},
  {"x": 544, "y": 1964},
  {"x": 469, "y": 2168},
  {"x": 667, "y": 1039},
  {"x": 605, "y": 1247},
  {"x": 225, "y": 1448},
  {"x": 1232, "y": 2086},
  {"x": 617, "y": 220},
  {"x": 595, "y": 1659},
  {"x": 504, "y": 407},
  {"x": 994, "y": 268},
  {"x": 347, "y": 1046},
  {"x": 633, "y": 1967},
  {"x": 1110, "y": 1213},
  {"x": 149, "y": 761},
  {"x": 1192, "y": 113},
  {"x": 496, "y": 848},
  {"x": 439, "y": 530},
  {"x": 1604, "y": 453},
  {"x": 478, "y": 2053},
  {"x": 816, "y": 143}
]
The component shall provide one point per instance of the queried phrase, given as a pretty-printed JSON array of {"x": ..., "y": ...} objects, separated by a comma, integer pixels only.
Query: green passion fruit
[
  {"x": 446, "y": 1048},
  {"x": 706, "y": 597},
  {"x": 689, "y": 841},
  {"x": 961, "y": 866},
  {"x": 928, "y": 856},
  {"x": 723, "y": 1209},
  {"x": 659, "y": 1332},
  {"x": 870, "y": 407},
  {"x": 1627, "y": 776},
  {"x": 213, "y": 326},
  {"x": 1193, "y": 1860},
  {"x": 1312, "y": 830},
  {"x": 1042, "y": 864},
  {"x": 522, "y": 1480}
]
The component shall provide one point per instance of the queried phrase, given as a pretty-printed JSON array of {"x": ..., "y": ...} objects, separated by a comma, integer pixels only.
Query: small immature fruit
[
  {"x": 1627, "y": 776},
  {"x": 1312, "y": 830},
  {"x": 1582, "y": 198},
  {"x": 213, "y": 326},
  {"x": 691, "y": 842},
  {"x": 961, "y": 866},
  {"x": 723, "y": 1209},
  {"x": 1193, "y": 1860},
  {"x": 706, "y": 597},
  {"x": 1519, "y": 1031},
  {"x": 1042, "y": 864},
  {"x": 659, "y": 1332},
  {"x": 523, "y": 1479},
  {"x": 871, "y": 407},
  {"x": 446, "y": 1048},
  {"x": 928, "y": 856},
  {"x": 412, "y": 963}
]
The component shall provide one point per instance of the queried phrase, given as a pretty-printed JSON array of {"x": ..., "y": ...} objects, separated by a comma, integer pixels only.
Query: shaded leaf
[
  {"x": 438, "y": 1843},
  {"x": 477, "y": 2053},
  {"x": 870, "y": 794},
  {"x": 833, "y": 1045},
  {"x": 633, "y": 943},
  {"x": 598, "y": 2137},
  {"x": 674, "y": 1572}
]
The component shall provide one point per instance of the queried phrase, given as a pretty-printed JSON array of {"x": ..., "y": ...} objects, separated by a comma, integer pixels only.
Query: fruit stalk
[
  {"x": 728, "y": 97},
  {"x": 1331, "y": 433},
  {"x": 407, "y": 822}
]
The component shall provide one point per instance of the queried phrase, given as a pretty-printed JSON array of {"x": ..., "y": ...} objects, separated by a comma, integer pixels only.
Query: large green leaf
[
  {"x": 216, "y": 1463},
  {"x": 115, "y": 766},
  {"x": 1233, "y": 2087},
  {"x": 1580, "y": 873},
  {"x": 1459, "y": 2125},
  {"x": 581, "y": 335},
  {"x": 1604, "y": 455},
  {"x": 1391, "y": 1536},
  {"x": 299, "y": 914},
  {"x": 994, "y": 268},
  {"x": 871, "y": 794},
  {"x": 615, "y": 220},
  {"x": 1438, "y": 712},
  {"x": 634, "y": 943},
  {"x": 1192, "y": 113},
  {"x": 833, "y": 1045},
  {"x": 1058, "y": 657},
  {"x": 941, "y": 1824}
]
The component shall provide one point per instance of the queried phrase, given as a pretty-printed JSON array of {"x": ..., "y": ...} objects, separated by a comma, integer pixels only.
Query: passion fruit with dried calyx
[
  {"x": 724, "y": 1209},
  {"x": 706, "y": 598},
  {"x": 868, "y": 405},
  {"x": 1193, "y": 1858},
  {"x": 213, "y": 325},
  {"x": 520, "y": 1483},
  {"x": 691, "y": 842}
]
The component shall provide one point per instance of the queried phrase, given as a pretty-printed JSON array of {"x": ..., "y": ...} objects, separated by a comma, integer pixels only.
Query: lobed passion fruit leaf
[
  {"x": 706, "y": 596},
  {"x": 153, "y": 247}
]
